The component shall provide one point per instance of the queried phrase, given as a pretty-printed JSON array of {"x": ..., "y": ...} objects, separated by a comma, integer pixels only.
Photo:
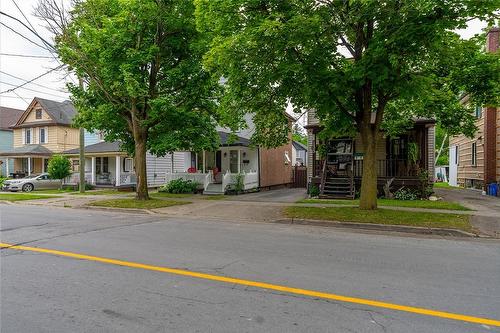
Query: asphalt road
[{"x": 49, "y": 293}]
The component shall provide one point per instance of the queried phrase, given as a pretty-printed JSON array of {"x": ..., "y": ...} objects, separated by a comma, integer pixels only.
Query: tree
[
  {"x": 362, "y": 65},
  {"x": 298, "y": 134},
  {"x": 59, "y": 167},
  {"x": 144, "y": 82},
  {"x": 442, "y": 146}
]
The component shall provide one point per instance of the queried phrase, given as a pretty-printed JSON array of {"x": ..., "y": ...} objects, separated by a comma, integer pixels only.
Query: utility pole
[{"x": 82, "y": 151}]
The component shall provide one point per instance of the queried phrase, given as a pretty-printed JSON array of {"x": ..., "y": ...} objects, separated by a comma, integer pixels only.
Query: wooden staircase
[{"x": 337, "y": 188}]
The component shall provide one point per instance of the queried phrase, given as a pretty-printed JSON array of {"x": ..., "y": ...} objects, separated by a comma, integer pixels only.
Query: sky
[{"x": 53, "y": 85}]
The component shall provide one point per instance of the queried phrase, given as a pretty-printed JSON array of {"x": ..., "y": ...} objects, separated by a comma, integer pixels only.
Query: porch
[
  {"x": 26, "y": 160},
  {"x": 218, "y": 170},
  {"x": 104, "y": 171}
]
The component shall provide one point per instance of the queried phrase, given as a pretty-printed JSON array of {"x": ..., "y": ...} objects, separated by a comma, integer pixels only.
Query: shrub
[
  {"x": 405, "y": 194},
  {"x": 2, "y": 179},
  {"x": 313, "y": 191},
  {"x": 59, "y": 167},
  {"x": 239, "y": 183},
  {"x": 179, "y": 186},
  {"x": 425, "y": 189}
]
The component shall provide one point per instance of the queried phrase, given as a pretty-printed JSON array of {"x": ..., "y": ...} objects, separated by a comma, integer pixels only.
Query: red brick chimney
[{"x": 490, "y": 120}]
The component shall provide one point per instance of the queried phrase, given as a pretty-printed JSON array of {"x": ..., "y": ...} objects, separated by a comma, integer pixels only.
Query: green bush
[
  {"x": 405, "y": 194},
  {"x": 179, "y": 186},
  {"x": 59, "y": 167},
  {"x": 313, "y": 191},
  {"x": 2, "y": 179},
  {"x": 239, "y": 183}
]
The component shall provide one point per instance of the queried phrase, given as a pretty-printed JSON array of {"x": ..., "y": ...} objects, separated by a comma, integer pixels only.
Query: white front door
[{"x": 453, "y": 158}]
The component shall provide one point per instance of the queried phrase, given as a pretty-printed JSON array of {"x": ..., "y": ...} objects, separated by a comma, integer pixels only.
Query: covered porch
[
  {"x": 27, "y": 160},
  {"x": 218, "y": 170}
]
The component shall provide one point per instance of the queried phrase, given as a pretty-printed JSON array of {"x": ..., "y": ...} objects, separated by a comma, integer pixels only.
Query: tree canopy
[
  {"x": 362, "y": 65},
  {"x": 144, "y": 83}
]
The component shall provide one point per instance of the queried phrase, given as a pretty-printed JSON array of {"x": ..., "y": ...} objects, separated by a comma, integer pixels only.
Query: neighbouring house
[
  {"x": 338, "y": 169},
  {"x": 299, "y": 153},
  {"x": 42, "y": 130},
  {"x": 8, "y": 117},
  {"x": 475, "y": 162},
  {"x": 216, "y": 171}
]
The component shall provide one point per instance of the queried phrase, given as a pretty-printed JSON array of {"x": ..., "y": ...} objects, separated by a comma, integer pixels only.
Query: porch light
[{"x": 225, "y": 154}]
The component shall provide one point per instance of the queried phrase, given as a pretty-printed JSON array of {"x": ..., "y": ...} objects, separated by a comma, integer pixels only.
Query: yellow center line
[{"x": 263, "y": 285}]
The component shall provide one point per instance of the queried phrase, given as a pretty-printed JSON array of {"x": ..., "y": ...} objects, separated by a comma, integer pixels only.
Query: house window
[
  {"x": 457, "y": 159},
  {"x": 38, "y": 113},
  {"x": 42, "y": 135},
  {"x": 128, "y": 165},
  {"x": 474, "y": 154},
  {"x": 27, "y": 137},
  {"x": 105, "y": 163},
  {"x": 76, "y": 165},
  {"x": 479, "y": 111}
]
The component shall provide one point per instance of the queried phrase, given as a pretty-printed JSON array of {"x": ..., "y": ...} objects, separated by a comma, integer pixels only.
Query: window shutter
[
  {"x": 36, "y": 138},
  {"x": 23, "y": 134}
]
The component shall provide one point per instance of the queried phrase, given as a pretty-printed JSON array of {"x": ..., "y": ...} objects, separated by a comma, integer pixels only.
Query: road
[{"x": 43, "y": 292}]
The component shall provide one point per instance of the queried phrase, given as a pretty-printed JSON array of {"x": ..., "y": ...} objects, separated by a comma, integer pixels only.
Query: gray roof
[
  {"x": 37, "y": 150},
  {"x": 100, "y": 147},
  {"x": 299, "y": 146},
  {"x": 224, "y": 140},
  {"x": 9, "y": 117},
  {"x": 61, "y": 112}
]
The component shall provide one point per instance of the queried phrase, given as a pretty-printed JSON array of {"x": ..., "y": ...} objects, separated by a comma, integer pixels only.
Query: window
[
  {"x": 474, "y": 154},
  {"x": 479, "y": 111},
  {"x": 42, "y": 135},
  {"x": 456, "y": 155},
  {"x": 38, "y": 113},
  {"x": 76, "y": 165},
  {"x": 27, "y": 136},
  {"x": 128, "y": 165}
]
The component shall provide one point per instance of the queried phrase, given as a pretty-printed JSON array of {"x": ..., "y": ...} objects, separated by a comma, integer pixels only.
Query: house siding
[
  {"x": 59, "y": 138},
  {"x": 6, "y": 144},
  {"x": 158, "y": 167}
]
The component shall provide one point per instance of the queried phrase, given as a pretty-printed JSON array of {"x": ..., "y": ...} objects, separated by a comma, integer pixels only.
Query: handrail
[
  {"x": 207, "y": 180},
  {"x": 323, "y": 178}
]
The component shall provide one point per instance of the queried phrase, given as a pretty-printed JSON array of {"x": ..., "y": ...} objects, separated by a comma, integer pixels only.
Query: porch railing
[{"x": 398, "y": 168}]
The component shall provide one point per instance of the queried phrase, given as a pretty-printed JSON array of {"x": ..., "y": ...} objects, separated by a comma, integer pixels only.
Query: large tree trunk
[
  {"x": 140, "y": 138},
  {"x": 368, "y": 198}
]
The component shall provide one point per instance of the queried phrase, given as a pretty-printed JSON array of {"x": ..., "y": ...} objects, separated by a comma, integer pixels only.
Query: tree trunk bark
[
  {"x": 140, "y": 138},
  {"x": 368, "y": 199}
]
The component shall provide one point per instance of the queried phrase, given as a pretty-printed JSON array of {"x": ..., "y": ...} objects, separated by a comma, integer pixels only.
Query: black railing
[{"x": 398, "y": 168}]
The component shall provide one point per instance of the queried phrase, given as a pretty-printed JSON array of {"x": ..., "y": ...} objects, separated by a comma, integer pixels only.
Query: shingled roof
[
  {"x": 9, "y": 117},
  {"x": 61, "y": 113}
]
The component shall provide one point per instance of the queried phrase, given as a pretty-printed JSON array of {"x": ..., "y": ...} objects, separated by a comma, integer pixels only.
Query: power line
[
  {"x": 35, "y": 84},
  {"x": 25, "y": 56},
  {"x": 29, "y": 81},
  {"x": 37, "y": 91},
  {"x": 31, "y": 30},
  {"x": 23, "y": 36},
  {"x": 21, "y": 98}
]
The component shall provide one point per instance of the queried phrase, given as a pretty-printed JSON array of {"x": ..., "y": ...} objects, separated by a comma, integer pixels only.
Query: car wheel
[{"x": 27, "y": 187}]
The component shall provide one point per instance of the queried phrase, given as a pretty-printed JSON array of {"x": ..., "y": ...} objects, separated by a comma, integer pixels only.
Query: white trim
[
  {"x": 7, "y": 171},
  {"x": 93, "y": 171},
  {"x": 130, "y": 162},
  {"x": 29, "y": 166},
  {"x": 118, "y": 170},
  {"x": 23, "y": 133}
]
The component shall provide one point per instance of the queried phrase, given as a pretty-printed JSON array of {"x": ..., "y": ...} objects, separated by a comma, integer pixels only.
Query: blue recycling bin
[{"x": 492, "y": 189}]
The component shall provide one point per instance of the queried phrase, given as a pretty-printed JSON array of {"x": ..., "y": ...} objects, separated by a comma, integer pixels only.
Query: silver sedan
[{"x": 33, "y": 182}]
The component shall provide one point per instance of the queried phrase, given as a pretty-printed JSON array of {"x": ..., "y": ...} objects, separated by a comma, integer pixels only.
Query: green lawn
[
  {"x": 24, "y": 196},
  {"x": 63, "y": 191},
  {"x": 214, "y": 197},
  {"x": 443, "y": 185},
  {"x": 138, "y": 204},
  {"x": 395, "y": 203},
  {"x": 171, "y": 195},
  {"x": 381, "y": 216}
]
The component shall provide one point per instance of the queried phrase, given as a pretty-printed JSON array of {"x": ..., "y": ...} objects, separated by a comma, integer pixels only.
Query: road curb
[
  {"x": 379, "y": 227},
  {"x": 117, "y": 210}
]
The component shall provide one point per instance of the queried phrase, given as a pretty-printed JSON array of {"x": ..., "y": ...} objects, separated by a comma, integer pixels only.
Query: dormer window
[
  {"x": 478, "y": 111},
  {"x": 38, "y": 113}
]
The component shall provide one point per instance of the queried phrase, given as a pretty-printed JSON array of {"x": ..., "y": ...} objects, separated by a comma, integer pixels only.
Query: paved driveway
[
  {"x": 487, "y": 216},
  {"x": 280, "y": 195}
]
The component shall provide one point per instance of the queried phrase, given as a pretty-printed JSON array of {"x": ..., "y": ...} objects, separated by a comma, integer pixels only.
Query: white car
[{"x": 33, "y": 182}]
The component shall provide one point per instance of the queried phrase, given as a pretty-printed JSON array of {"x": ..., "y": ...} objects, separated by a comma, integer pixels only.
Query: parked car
[{"x": 33, "y": 182}]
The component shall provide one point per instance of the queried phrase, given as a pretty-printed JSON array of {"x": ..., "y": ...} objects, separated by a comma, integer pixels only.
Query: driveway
[
  {"x": 289, "y": 195},
  {"x": 487, "y": 216}
]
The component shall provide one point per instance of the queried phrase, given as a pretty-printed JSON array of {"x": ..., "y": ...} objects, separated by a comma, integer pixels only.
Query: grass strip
[
  {"x": 137, "y": 204},
  {"x": 381, "y": 216},
  {"x": 394, "y": 203},
  {"x": 24, "y": 196}
]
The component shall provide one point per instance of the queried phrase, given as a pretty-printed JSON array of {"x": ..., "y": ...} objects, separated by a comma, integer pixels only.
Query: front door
[{"x": 218, "y": 160}]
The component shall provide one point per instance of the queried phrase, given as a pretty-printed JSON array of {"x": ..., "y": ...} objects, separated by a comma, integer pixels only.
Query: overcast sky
[{"x": 53, "y": 85}]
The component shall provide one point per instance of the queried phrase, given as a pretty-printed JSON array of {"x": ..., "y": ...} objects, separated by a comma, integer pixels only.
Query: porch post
[
  {"x": 204, "y": 162},
  {"x": 92, "y": 179},
  {"x": 7, "y": 171},
  {"x": 43, "y": 164},
  {"x": 239, "y": 160},
  {"x": 117, "y": 170},
  {"x": 29, "y": 166}
]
